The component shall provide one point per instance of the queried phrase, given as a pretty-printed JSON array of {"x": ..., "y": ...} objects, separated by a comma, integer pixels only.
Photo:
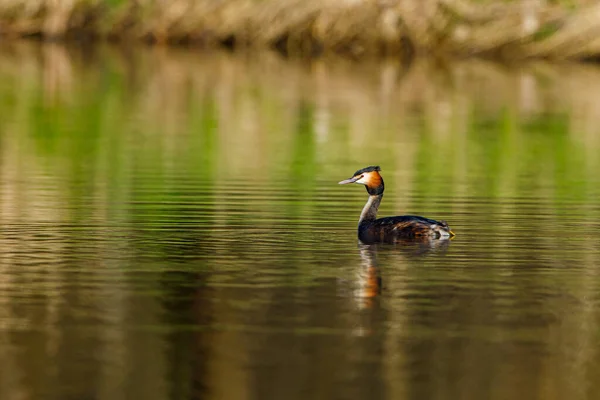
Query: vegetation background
[{"x": 510, "y": 29}]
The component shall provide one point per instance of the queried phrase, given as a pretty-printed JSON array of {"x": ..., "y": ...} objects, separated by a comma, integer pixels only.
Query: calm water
[{"x": 172, "y": 228}]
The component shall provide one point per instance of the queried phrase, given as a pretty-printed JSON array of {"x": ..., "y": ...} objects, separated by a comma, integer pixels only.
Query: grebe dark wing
[{"x": 413, "y": 226}]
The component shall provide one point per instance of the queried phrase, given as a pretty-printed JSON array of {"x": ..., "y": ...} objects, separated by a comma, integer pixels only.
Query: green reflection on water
[{"x": 172, "y": 226}]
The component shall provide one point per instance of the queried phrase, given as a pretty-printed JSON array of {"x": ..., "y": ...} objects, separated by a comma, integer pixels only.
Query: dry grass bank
[{"x": 512, "y": 29}]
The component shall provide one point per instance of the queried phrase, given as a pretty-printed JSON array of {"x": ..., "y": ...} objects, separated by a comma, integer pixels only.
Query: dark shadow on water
[
  {"x": 369, "y": 277},
  {"x": 419, "y": 247}
]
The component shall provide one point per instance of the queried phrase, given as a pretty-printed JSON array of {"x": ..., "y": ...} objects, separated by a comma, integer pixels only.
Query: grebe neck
[{"x": 369, "y": 212}]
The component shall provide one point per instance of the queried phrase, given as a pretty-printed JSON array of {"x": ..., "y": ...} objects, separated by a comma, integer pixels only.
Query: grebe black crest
[{"x": 390, "y": 229}]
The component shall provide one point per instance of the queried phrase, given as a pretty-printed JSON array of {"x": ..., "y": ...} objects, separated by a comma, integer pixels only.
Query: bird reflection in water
[{"x": 369, "y": 279}]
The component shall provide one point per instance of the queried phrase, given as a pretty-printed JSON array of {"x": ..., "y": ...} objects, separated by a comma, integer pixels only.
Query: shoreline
[{"x": 310, "y": 28}]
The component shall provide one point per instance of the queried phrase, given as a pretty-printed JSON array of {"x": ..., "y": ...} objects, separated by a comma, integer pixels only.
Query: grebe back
[{"x": 390, "y": 229}]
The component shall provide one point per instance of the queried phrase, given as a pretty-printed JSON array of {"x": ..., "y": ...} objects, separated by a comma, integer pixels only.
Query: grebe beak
[{"x": 350, "y": 180}]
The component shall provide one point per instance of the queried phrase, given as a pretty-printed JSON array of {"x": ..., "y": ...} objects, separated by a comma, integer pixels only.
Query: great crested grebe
[{"x": 390, "y": 229}]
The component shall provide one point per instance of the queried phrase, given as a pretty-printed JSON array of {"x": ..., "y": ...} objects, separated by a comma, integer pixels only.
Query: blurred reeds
[{"x": 511, "y": 29}]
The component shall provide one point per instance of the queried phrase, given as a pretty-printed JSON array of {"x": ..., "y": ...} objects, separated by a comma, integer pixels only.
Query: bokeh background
[{"x": 171, "y": 225}]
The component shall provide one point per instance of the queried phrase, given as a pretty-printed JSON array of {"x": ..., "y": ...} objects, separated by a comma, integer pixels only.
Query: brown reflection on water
[
  {"x": 369, "y": 276},
  {"x": 171, "y": 227}
]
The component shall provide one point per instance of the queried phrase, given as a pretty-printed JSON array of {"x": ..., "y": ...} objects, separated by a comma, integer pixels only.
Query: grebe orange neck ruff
[{"x": 389, "y": 229}]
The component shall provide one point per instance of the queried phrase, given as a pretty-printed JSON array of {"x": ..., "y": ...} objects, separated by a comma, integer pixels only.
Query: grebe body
[{"x": 390, "y": 229}]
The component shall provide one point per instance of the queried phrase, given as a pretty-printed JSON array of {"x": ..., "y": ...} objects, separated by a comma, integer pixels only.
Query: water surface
[{"x": 172, "y": 227}]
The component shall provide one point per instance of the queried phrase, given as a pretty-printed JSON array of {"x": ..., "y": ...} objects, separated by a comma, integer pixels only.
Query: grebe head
[{"x": 369, "y": 177}]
